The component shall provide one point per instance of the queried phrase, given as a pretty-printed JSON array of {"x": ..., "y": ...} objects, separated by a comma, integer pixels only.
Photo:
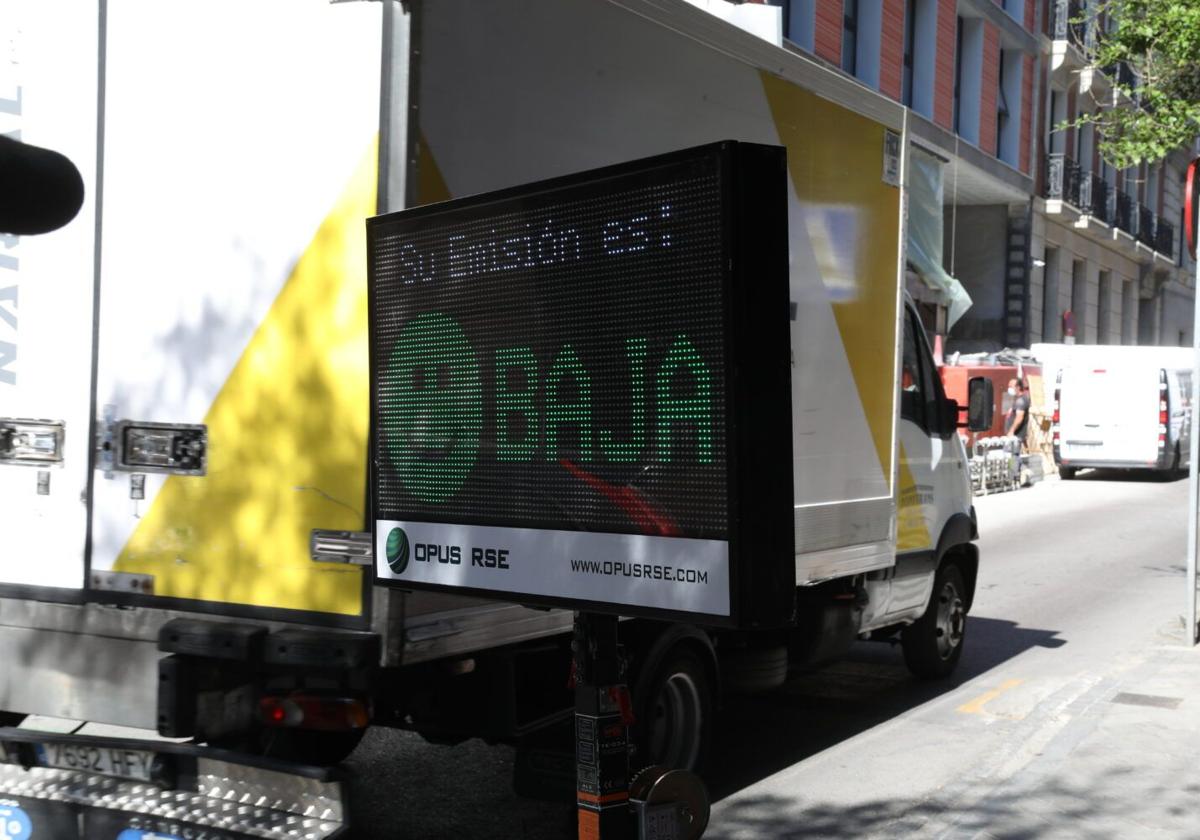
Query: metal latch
[
  {"x": 353, "y": 547},
  {"x": 144, "y": 447},
  {"x": 33, "y": 443}
]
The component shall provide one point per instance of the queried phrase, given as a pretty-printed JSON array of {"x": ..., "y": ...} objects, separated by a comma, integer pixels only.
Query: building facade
[{"x": 1050, "y": 242}]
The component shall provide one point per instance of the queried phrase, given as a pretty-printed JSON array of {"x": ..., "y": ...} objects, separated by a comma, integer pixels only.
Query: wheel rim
[
  {"x": 951, "y": 620},
  {"x": 676, "y": 720}
]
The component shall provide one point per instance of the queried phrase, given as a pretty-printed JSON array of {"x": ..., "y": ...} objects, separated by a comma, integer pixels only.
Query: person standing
[{"x": 1017, "y": 419}]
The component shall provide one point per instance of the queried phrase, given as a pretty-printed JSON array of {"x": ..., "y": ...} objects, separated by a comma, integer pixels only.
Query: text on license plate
[{"x": 107, "y": 761}]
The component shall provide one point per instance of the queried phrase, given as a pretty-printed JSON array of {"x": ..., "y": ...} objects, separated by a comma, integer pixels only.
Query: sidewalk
[{"x": 1110, "y": 752}]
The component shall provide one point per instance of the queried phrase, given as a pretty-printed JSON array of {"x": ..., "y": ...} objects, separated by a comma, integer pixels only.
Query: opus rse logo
[{"x": 397, "y": 550}]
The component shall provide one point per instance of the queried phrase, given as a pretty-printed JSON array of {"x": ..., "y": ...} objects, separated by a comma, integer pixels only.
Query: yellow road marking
[{"x": 975, "y": 706}]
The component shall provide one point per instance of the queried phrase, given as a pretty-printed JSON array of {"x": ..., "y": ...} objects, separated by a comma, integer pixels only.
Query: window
[
  {"x": 799, "y": 21},
  {"x": 958, "y": 73},
  {"x": 921, "y": 393},
  {"x": 1129, "y": 183},
  {"x": 1087, "y": 146},
  {"x": 850, "y": 36},
  {"x": 1079, "y": 299},
  {"x": 1129, "y": 313},
  {"x": 1054, "y": 138},
  {"x": 968, "y": 78},
  {"x": 920, "y": 55},
  {"x": 1182, "y": 238},
  {"x": 1104, "y": 310},
  {"x": 912, "y": 394},
  {"x": 1051, "y": 322},
  {"x": 1001, "y": 106},
  {"x": 910, "y": 36}
]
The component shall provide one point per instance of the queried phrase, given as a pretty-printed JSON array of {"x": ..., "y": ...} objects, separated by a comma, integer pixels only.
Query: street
[{"x": 1073, "y": 647}]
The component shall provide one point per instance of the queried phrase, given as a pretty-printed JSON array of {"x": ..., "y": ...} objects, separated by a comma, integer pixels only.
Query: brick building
[{"x": 1035, "y": 224}]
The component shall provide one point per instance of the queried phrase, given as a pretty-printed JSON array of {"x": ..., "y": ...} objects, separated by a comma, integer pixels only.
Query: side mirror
[{"x": 981, "y": 404}]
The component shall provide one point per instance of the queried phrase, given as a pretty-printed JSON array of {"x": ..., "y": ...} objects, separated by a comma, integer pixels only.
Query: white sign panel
[{"x": 665, "y": 573}]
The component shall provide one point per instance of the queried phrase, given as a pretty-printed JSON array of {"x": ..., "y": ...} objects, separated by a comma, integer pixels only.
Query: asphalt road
[{"x": 1074, "y": 577}]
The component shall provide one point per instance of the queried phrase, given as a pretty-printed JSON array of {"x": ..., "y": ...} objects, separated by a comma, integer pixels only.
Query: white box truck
[{"x": 184, "y": 390}]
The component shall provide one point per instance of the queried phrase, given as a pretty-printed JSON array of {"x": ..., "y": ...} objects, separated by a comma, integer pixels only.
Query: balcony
[
  {"x": 1074, "y": 37},
  {"x": 1145, "y": 225},
  {"x": 1093, "y": 196},
  {"x": 1120, "y": 212},
  {"x": 1164, "y": 238},
  {"x": 1062, "y": 179},
  {"x": 1070, "y": 24},
  {"x": 1086, "y": 202}
]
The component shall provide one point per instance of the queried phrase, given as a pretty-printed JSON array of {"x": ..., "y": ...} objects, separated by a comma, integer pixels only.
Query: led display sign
[{"x": 553, "y": 391}]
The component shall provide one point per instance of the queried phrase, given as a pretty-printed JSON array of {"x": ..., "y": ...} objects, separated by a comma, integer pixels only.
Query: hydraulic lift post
[{"x": 602, "y": 718}]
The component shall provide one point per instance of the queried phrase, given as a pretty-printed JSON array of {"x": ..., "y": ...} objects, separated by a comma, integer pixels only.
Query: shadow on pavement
[
  {"x": 403, "y": 787},
  {"x": 763, "y": 734},
  {"x": 1137, "y": 476},
  {"x": 1055, "y": 808}
]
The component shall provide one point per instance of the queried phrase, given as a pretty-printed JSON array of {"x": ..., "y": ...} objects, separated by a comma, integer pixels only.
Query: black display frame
[{"x": 753, "y": 193}]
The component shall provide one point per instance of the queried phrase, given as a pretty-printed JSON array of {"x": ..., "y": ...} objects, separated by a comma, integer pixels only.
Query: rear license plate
[{"x": 107, "y": 761}]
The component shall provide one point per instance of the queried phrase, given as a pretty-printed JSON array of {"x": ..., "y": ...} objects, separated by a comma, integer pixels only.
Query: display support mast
[{"x": 602, "y": 717}]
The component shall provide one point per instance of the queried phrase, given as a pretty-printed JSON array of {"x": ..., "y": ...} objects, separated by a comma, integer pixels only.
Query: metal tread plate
[{"x": 225, "y": 798}]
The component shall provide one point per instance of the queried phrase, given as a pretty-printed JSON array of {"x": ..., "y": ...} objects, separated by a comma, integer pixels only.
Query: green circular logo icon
[
  {"x": 432, "y": 407},
  {"x": 397, "y": 550}
]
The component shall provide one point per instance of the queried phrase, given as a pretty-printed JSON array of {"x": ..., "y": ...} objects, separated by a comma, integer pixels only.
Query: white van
[{"x": 1122, "y": 413}]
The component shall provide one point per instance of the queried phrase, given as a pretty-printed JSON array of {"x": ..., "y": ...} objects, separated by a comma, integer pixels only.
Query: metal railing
[
  {"x": 1164, "y": 237},
  {"x": 1145, "y": 225},
  {"x": 1062, "y": 178},
  {"x": 1125, "y": 74},
  {"x": 1093, "y": 196},
  {"x": 1071, "y": 22},
  {"x": 1120, "y": 211}
]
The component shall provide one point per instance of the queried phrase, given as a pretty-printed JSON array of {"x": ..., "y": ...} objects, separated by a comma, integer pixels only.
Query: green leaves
[{"x": 1159, "y": 41}]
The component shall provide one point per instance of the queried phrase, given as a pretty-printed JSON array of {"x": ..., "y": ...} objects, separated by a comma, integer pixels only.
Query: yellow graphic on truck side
[
  {"x": 287, "y": 442},
  {"x": 864, "y": 237}
]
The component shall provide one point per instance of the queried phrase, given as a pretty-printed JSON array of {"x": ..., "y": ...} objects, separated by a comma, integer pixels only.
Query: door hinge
[{"x": 353, "y": 547}]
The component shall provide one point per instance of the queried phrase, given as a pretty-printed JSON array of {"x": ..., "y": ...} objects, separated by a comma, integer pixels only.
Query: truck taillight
[
  {"x": 1056, "y": 418},
  {"x": 1163, "y": 408},
  {"x": 313, "y": 711}
]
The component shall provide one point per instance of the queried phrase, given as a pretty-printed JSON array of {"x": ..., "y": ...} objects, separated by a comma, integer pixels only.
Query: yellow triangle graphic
[
  {"x": 287, "y": 442},
  {"x": 844, "y": 178}
]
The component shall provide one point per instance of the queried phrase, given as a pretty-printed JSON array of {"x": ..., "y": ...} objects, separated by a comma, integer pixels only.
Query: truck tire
[
  {"x": 674, "y": 705},
  {"x": 1066, "y": 473},
  {"x": 751, "y": 670},
  {"x": 934, "y": 642}
]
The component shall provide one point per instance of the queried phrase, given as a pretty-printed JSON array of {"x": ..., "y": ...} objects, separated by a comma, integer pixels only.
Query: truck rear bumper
[
  {"x": 195, "y": 792},
  {"x": 1111, "y": 464}
]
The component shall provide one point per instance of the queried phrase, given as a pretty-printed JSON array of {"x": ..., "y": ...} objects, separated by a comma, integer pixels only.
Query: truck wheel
[
  {"x": 933, "y": 643},
  {"x": 674, "y": 709},
  {"x": 755, "y": 669},
  {"x": 1066, "y": 473}
]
